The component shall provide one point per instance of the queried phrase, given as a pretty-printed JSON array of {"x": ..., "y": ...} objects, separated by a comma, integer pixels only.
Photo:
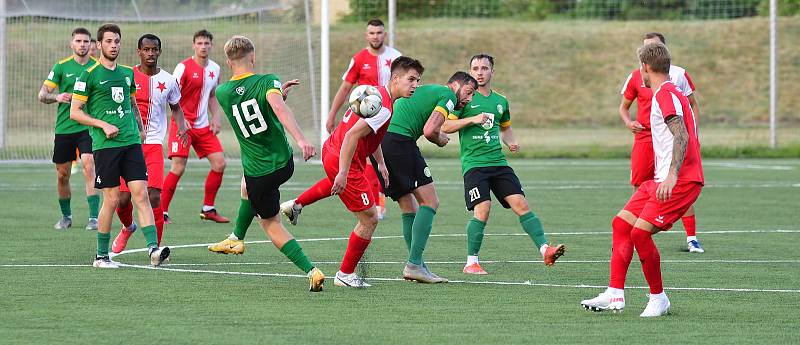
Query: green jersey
[
  {"x": 260, "y": 134},
  {"x": 480, "y": 144},
  {"x": 108, "y": 94},
  {"x": 62, "y": 78},
  {"x": 410, "y": 114}
]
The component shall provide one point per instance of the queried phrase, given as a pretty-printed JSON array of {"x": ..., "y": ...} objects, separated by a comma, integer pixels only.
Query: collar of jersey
[{"x": 241, "y": 76}]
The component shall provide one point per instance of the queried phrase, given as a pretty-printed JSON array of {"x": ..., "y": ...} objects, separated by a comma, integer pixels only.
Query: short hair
[
  {"x": 81, "y": 31},
  {"x": 108, "y": 27},
  {"x": 403, "y": 64},
  {"x": 92, "y": 40},
  {"x": 375, "y": 22},
  {"x": 482, "y": 56},
  {"x": 238, "y": 47},
  {"x": 655, "y": 55},
  {"x": 463, "y": 78},
  {"x": 203, "y": 33},
  {"x": 148, "y": 37},
  {"x": 658, "y": 35}
]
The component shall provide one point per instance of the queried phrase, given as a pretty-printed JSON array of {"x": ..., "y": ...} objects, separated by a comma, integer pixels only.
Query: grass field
[{"x": 744, "y": 289}]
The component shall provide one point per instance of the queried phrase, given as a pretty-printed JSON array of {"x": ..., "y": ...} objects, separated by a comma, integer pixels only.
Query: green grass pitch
[{"x": 744, "y": 289}]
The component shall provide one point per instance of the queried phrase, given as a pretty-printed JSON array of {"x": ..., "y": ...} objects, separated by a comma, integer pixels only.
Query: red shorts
[
  {"x": 357, "y": 195},
  {"x": 202, "y": 140},
  {"x": 154, "y": 159},
  {"x": 643, "y": 162},
  {"x": 645, "y": 205}
]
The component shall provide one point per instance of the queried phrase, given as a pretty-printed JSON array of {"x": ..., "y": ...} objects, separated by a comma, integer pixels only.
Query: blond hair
[
  {"x": 238, "y": 47},
  {"x": 655, "y": 55}
]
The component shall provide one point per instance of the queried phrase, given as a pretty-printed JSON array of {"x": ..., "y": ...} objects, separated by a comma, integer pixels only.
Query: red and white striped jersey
[
  {"x": 368, "y": 69},
  {"x": 196, "y": 83},
  {"x": 668, "y": 101},
  {"x": 154, "y": 94},
  {"x": 634, "y": 88}
]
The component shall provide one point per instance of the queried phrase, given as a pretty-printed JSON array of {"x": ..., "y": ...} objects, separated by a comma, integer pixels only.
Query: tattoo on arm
[
  {"x": 680, "y": 139},
  {"x": 47, "y": 96}
]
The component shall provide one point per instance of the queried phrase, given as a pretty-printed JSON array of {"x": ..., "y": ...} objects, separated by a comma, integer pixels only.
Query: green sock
[
  {"x": 293, "y": 251},
  {"x": 420, "y": 232},
  {"x": 244, "y": 219},
  {"x": 150, "y": 236},
  {"x": 408, "y": 223},
  {"x": 102, "y": 243},
  {"x": 531, "y": 224},
  {"x": 66, "y": 210},
  {"x": 94, "y": 205},
  {"x": 474, "y": 236}
]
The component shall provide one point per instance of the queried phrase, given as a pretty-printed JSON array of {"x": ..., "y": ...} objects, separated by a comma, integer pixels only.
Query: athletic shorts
[
  {"x": 501, "y": 180},
  {"x": 202, "y": 140},
  {"x": 645, "y": 205},
  {"x": 112, "y": 163},
  {"x": 357, "y": 195},
  {"x": 64, "y": 146},
  {"x": 407, "y": 169},
  {"x": 154, "y": 158},
  {"x": 265, "y": 198},
  {"x": 643, "y": 162}
]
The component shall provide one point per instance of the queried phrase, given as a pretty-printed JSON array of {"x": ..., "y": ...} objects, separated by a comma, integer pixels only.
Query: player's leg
[
  {"x": 107, "y": 165},
  {"x": 154, "y": 158},
  {"x": 134, "y": 171},
  {"x": 690, "y": 226},
  {"x": 357, "y": 245},
  {"x": 375, "y": 185},
  {"x": 125, "y": 214},
  {"x": 84, "y": 143},
  {"x": 642, "y": 238},
  {"x": 63, "y": 155},
  {"x": 475, "y": 227},
  {"x": 208, "y": 146},
  {"x": 178, "y": 155},
  {"x": 420, "y": 232},
  {"x": 408, "y": 208},
  {"x": 234, "y": 243},
  {"x": 154, "y": 195},
  {"x": 318, "y": 191}
]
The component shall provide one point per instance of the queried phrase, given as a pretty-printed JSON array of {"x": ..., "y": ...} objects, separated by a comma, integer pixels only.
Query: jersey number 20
[{"x": 250, "y": 112}]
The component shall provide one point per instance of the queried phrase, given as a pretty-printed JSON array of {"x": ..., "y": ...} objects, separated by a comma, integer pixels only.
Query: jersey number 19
[{"x": 250, "y": 112}]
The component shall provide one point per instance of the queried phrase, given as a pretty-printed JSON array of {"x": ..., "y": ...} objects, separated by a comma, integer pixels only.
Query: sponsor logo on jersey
[
  {"x": 240, "y": 90},
  {"x": 103, "y": 82},
  {"x": 660, "y": 219},
  {"x": 366, "y": 66},
  {"x": 80, "y": 86},
  {"x": 117, "y": 94},
  {"x": 474, "y": 106},
  {"x": 450, "y": 105},
  {"x": 69, "y": 75},
  {"x": 499, "y": 108},
  {"x": 487, "y": 137},
  {"x": 51, "y": 75}
]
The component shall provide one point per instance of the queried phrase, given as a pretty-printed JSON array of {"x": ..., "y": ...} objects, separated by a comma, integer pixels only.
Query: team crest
[
  {"x": 499, "y": 108},
  {"x": 489, "y": 123},
  {"x": 240, "y": 90},
  {"x": 117, "y": 94},
  {"x": 427, "y": 171}
]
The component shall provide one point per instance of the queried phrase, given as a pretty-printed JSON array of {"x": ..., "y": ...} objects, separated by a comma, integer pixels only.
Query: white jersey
[
  {"x": 196, "y": 83},
  {"x": 154, "y": 94}
]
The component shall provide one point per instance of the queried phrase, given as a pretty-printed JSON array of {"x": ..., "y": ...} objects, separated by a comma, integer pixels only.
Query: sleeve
[
  {"x": 351, "y": 75},
  {"x": 668, "y": 104},
  {"x": 274, "y": 85},
  {"x": 629, "y": 90},
  {"x": 54, "y": 77},
  {"x": 446, "y": 105},
  {"x": 690, "y": 89},
  {"x": 82, "y": 87},
  {"x": 178, "y": 73},
  {"x": 132, "y": 84},
  {"x": 174, "y": 95},
  {"x": 505, "y": 117},
  {"x": 377, "y": 121}
]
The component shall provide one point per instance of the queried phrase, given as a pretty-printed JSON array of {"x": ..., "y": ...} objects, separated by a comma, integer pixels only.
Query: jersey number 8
[{"x": 249, "y": 115}]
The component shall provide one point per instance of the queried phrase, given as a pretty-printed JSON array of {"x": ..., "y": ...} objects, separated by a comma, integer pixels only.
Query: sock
[
  {"x": 690, "y": 225},
  {"x": 615, "y": 291},
  {"x": 408, "y": 223},
  {"x": 94, "y": 205},
  {"x": 293, "y": 251},
  {"x": 102, "y": 243},
  {"x": 170, "y": 183},
  {"x": 356, "y": 247},
  {"x": 420, "y": 231},
  {"x": 125, "y": 215},
  {"x": 472, "y": 259},
  {"x": 158, "y": 215},
  {"x": 531, "y": 224},
  {"x": 621, "y": 252},
  {"x": 317, "y": 192},
  {"x": 66, "y": 210},
  {"x": 150, "y": 236},
  {"x": 207, "y": 208},
  {"x": 691, "y": 238},
  {"x": 243, "y": 219},
  {"x": 213, "y": 182},
  {"x": 474, "y": 236},
  {"x": 651, "y": 260}
]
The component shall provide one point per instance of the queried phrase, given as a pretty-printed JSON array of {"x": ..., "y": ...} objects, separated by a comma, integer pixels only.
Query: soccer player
[
  {"x": 642, "y": 157},
  {"x": 660, "y": 202},
  {"x": 156, "y": 90},
  {"x": 254, "y": 106},
  {"x": 483, "y": 126},
  {"x": 93, "y": 52},
  {"x": 71, "y": 136},
  {"x": 198, "y": 77},
  {"x": 104, "y": 99}
]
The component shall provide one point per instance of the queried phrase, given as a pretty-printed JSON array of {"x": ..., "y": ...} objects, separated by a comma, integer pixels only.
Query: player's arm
[
  {"x": 286, "y": 117},
  {"x": 285, "y": 87},
  {"x": 507, "y": 136},
  {"x": 625, "y": 113},
  {"x": 349, "y": 144},
  {"x": 338, "y": 100},
  {"x": 177, "y": 116},
  {"x": 433, "y": 128},
  {"x": 215, "y": 110},
  {"x": 680, "y": 140},
  {"x": 78, "y": 114},
  {"x": 454, "y": 124},
  {"x": 138, "y": 116},
  {"x": 378, "y": 155},
  {"x": 695, "y": 105},
  {"x": 48, "y": 96}
]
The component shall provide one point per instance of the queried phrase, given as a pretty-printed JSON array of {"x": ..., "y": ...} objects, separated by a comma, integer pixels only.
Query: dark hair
[
  {"x": 203, "y": 33},
  {"x": 108, "y": 27},
  {"x": 654, "y": 35},
  {"x": 655, "y": 55},
  {"x": 148, "y": 37},
  {"x": 482, "y": 56},
  {"x": 375, "y": 22},
  {"x": 92, "y": 40},
  {"x": 405, "y": 63},
  {"x": 463, "y": 78},
  {"x": 81, "y": 31}
]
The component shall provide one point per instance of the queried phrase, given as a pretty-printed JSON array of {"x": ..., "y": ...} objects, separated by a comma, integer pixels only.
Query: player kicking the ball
[
  {"x": 483, "y": 126},
  {"x": 658, "y": 203}
]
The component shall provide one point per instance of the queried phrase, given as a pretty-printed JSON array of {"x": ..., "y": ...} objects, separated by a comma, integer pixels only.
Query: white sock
[
  {"x": 691, "y": 238},
  {"x": 661, "y": 295},
  {"x": 543, "y": 249},
  {"x": 472, "y": 259},
  {"x": 90, "y": 218},
  {"x": 207, "y": 208},
  {"x": 233, "y": 237},
  {"x": 615, "y": 291}
]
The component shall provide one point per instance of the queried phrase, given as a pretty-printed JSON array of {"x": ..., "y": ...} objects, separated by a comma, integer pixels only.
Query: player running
[
  {"x": 254, "y": 106},
  {"x": 156, "y": 90},
  {"x": 658, "y": 203},
  {"x": 198, "y": 77},
  {"x": 107, "y": 92},
  {"x": 483, "y": 126},
  {"x": 642, "y": 157},
  {"x": 70, "y": 136}
]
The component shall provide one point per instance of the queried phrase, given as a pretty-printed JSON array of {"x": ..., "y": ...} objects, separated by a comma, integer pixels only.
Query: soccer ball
[{"x": 365, "y": 101}]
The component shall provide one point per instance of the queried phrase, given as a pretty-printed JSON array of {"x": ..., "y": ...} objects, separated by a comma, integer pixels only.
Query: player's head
[
  {"x": 93, "y": 51},
  {"x": 201, "y": 43},
  {"x": 109, "y": 37},
  {"x": 240, "y": 52},
  {"x": 81, "y": 41},
  {"x": 406, "y": 74},
  {"x": 654, "y": 37},
  {"x": 481, "y": 67},
  {"x": 464, "y": 86},
  {"x": 149, "y": 49},
  {"x": 655, "y": 60},
  {"x": 375, "y": 34}
]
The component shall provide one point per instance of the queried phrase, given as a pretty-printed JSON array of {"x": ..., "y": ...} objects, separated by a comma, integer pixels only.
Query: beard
[
  {"x": 376, "y": 47},
  {"x": 110, "y": 58}
]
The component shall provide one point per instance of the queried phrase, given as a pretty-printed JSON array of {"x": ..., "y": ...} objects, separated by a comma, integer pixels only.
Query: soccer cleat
[
  {"x": 92, "y": 224},
  {"x": 121, "y": 241},
  {"x": 605, "y": 301},
  {"x": 694, "y": 247},
  {"x": 158, "y": 256},
  {"x": 291, "y": 210},
  {"x": 551, "y": 254},
  {"x": 213, "y": 216},
  {"x": 658, "y": 305},
  {"x": 420, "y": 274},
  {"x": 228, "y": 246},
  {"x": 349, "y": 280},
  {"x": 474, "y": 269},
  {"x": 167, "y": 219},
  {"x": 63, "y": 223},
  {"x": 316, "y": 280},
  {"x": 104, "y": 262}
]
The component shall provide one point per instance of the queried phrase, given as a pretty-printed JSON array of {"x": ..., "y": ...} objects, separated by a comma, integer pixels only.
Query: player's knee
[
  {"x": 481, "y": 211},
  {"x": 124, "y": 200},
  {"x": 430, "y": 202},
  {"x": 63, "y": 174},
  {"x": 219, "y": 165},
  {"x": 155, "y": 198},
  {"x": 178, "y": 166}
]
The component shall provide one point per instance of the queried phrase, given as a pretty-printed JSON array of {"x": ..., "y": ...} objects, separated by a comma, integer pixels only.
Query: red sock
[
  {"x": 126, "y": 215},
  {"x": 317, "y": 192},
  {"x": 621, "y": 252},
  {"x": 170, "y": 183},
  {"x": 158, "y": 214},
  {"x": 213, "y": 182},
  {"x": 651, "y": 260},
  {"x": 356, "y": 247},
  {"x": 690, "y": 225}
]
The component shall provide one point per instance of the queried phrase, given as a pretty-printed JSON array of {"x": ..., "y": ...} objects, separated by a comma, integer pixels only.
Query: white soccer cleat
[
  {"x": 605, "y": 301},
  {"x": 158, "y": 256},
  {"x": 291, "y": 210},
  {"x": 658, "y": 305},
  {"x": 349, "y": 280},
  {"x": 104, "y": 262},
  {"x": 694, "y": 247}
]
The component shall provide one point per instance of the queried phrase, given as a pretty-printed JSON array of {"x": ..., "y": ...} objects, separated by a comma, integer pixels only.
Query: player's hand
[
  {"x": 65, "y": 97},
  {"x": 308, "y": 149},
  {"x": 142, "y": 135},
  {"x": 339, "y": 183},
  {"x": 664, "y": 190},
  {"x": 288, "y": 86},
  {"x": 635, "y": 127},
  {"x": 215, "y": 127},
  {"x": 513, "y": 147},
  {"x": 110, "y": 130},
  {"x": 443, "y": 139},
  {"x": 183, "y": 135},
  {"x": 384, "y": 173},
  {"x": 480, "y": 118},
  {"x": 330, "y": 125}
]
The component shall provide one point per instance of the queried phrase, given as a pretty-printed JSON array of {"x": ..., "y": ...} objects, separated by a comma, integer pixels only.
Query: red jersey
[
  {"x": 634, "y": 88},
  {"x": 669, "y": 101},
  {"x": 368, "y": 69},
  {"x": 154, "y": 94},
  {"x": 196, "y": 83}
]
